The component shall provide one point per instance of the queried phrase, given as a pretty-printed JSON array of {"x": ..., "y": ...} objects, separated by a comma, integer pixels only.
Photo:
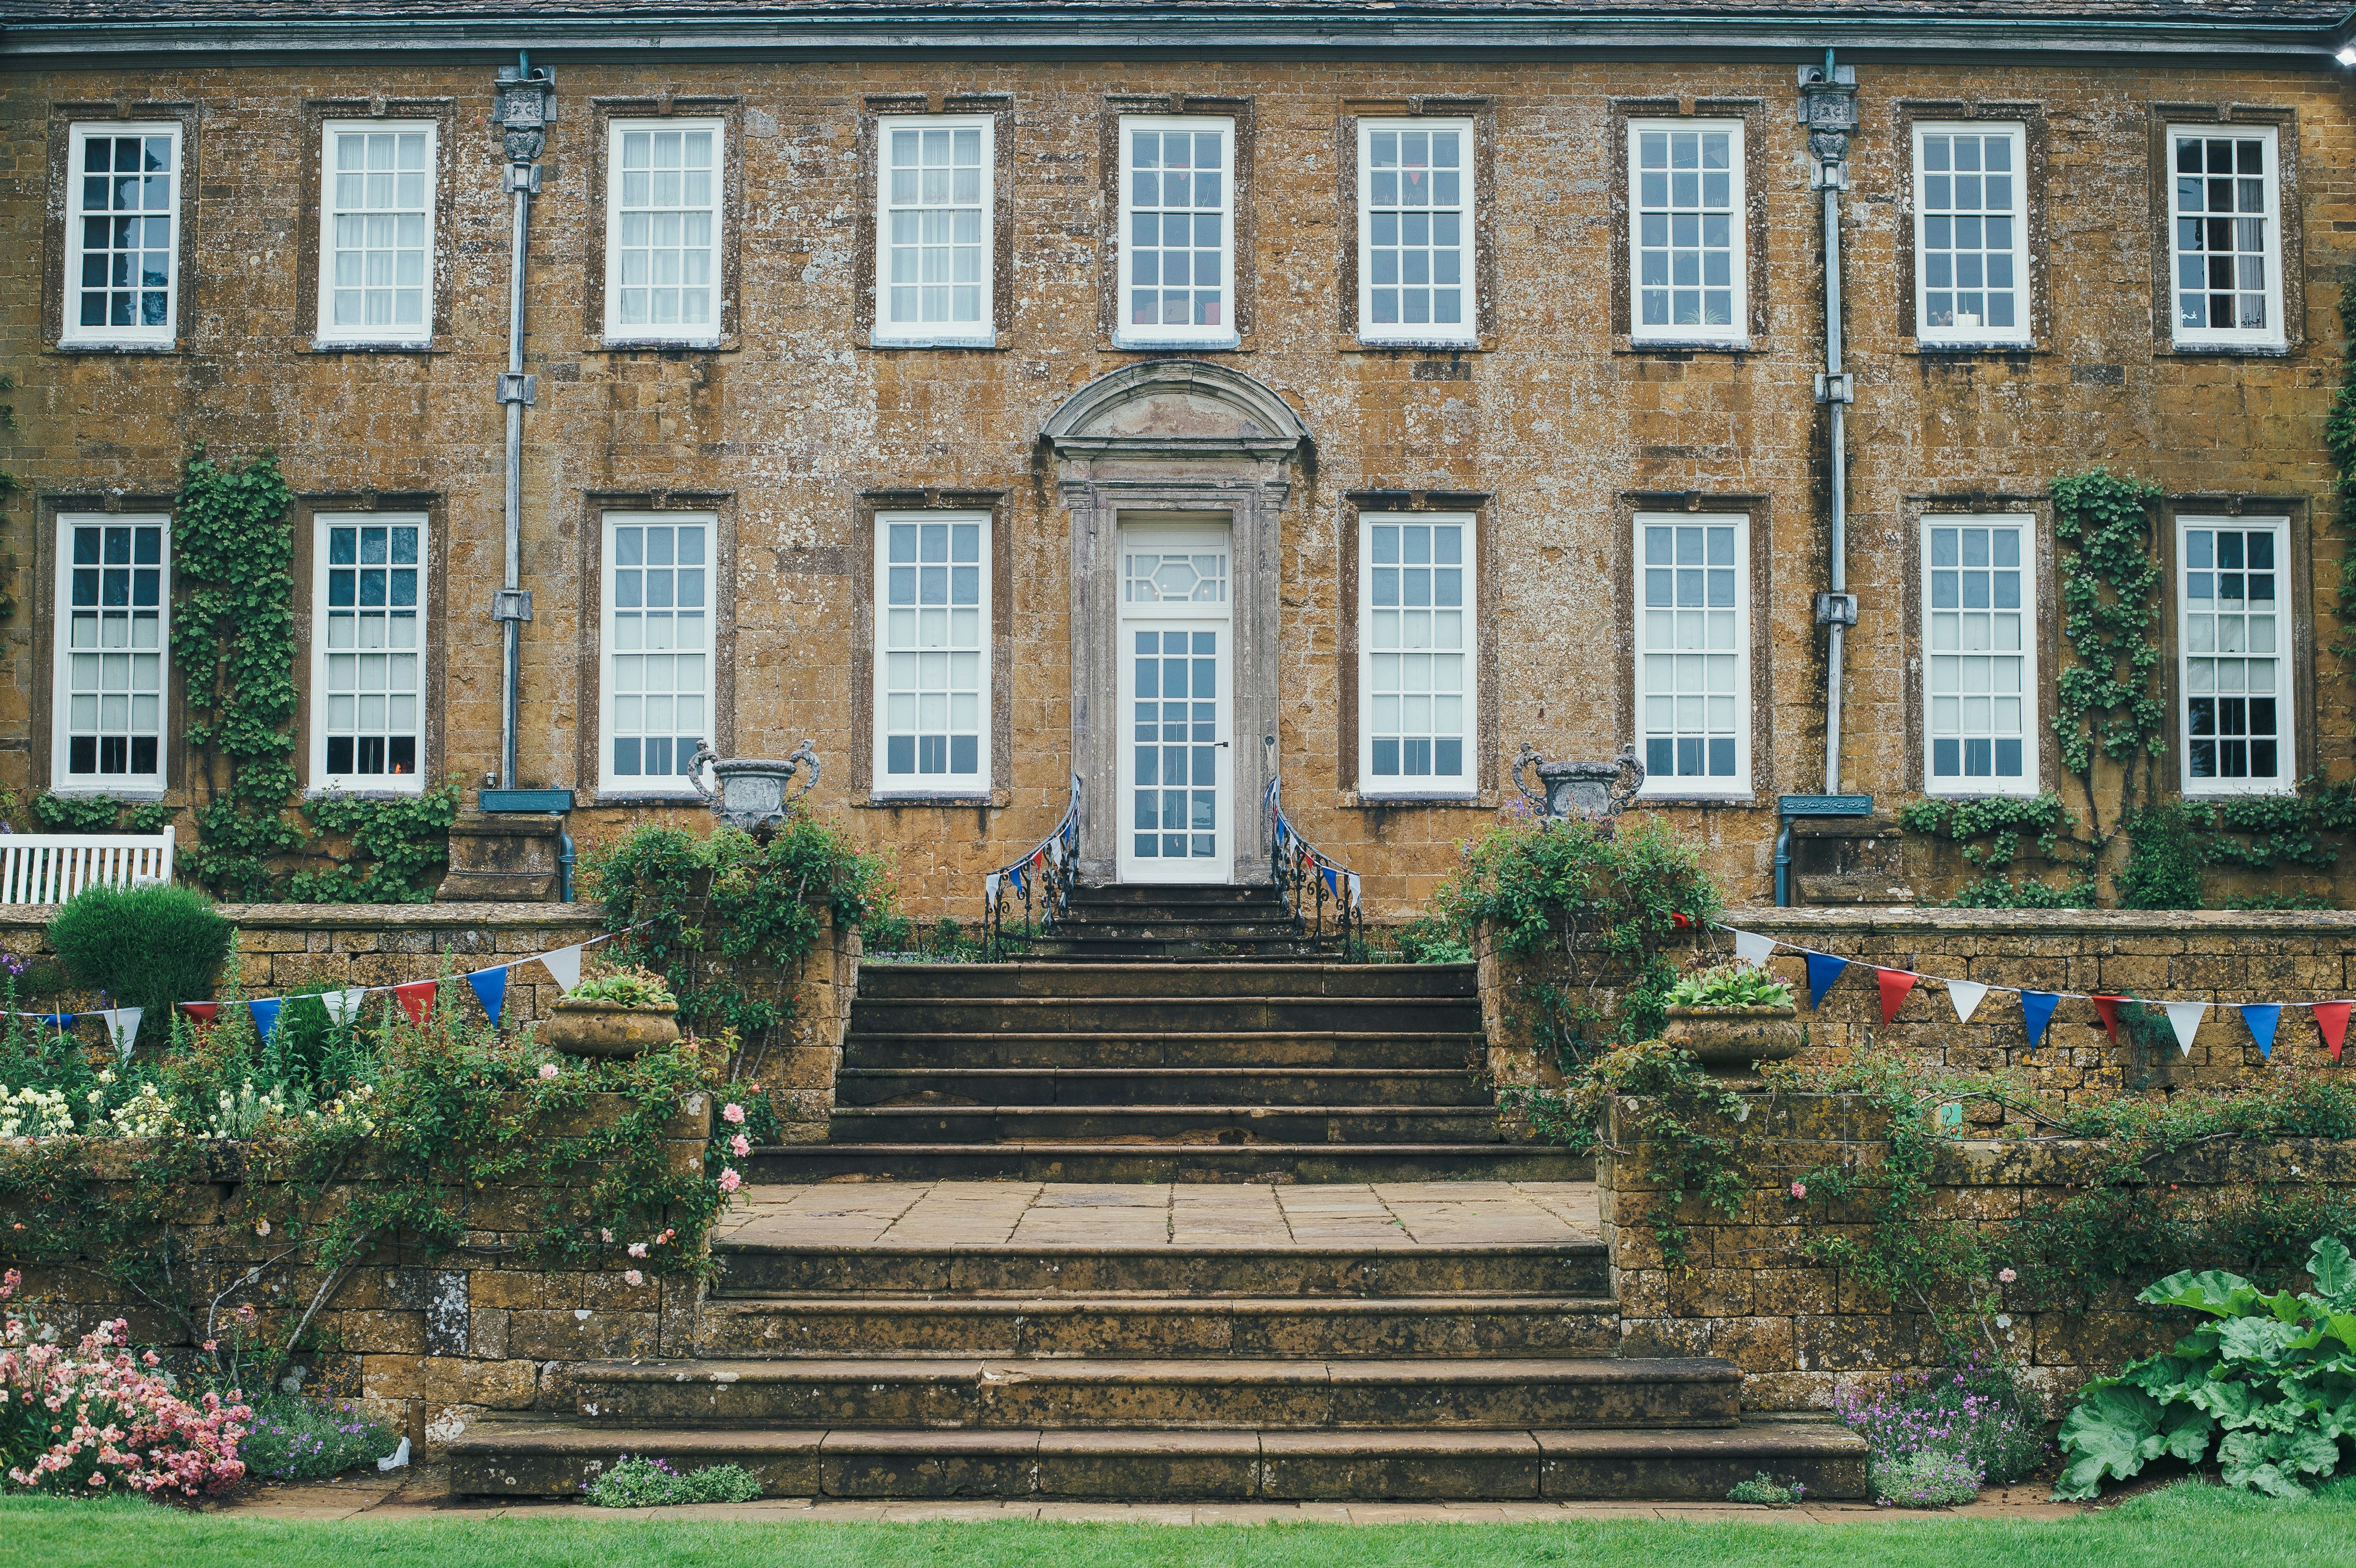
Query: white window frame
[
  {"x": 1736, "y": 331},
  {"x": 642, "y": 785},
  {"x": 1703, "y": 788},
  {"x": 1467, "y": 330},
  {"x": 951, "y": 786},
  {"x": 617, "y": 332},
  {"x": 2020, "y": 330},
  {"x": 2275, "y": 335},
  {"x": 130, "y": 786},
  {"x": 71, "y": 332},
  {"x": 2285, "y": 777},
  {"x": 947, "y": 334},
  {"x": 412, "y": 782},
  {"x": 328, "y": 331},
  {"x": 1180, "y": 335},
  {"x": 1403, "y": 786},
  {"x": 2032, "y": 620}
]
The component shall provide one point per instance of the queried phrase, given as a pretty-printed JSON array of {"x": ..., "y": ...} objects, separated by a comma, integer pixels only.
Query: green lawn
[{"x": 2185, "y": 1526}]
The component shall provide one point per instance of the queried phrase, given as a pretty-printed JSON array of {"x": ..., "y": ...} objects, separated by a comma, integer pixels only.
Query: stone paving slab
[{"x": 1405, "y": 1214}]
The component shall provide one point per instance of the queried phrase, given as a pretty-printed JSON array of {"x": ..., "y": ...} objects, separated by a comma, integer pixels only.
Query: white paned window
[
  {"x": 2227, "y": 239},
  {"x": 113, "y": 665},
  {"x": 933, "y": 228},
  {"x": 123, "y": 234},
  {"x": 932, "y": 670},
  {"x": 1979, "y": 593},
  {"x": 1686, "y": 183},
  {"x": 1415, "y": 231},
  {"x": 1177, "y": 231},
  {"x": 368, "y": 652},
  {"x": 376, "y": 233},
  {"x": 1971, "y": 234},
  {"x": 662, "y": 231},
  {"x": 2233, "y": 634},
  {"x": 1416, "y": 674},
  {"x": 1693, "y": 653},
  {"x": 658, "y": 641}
]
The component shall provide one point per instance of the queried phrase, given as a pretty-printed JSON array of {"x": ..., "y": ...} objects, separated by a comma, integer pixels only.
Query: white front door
[{"x": 1176, "y": 705}]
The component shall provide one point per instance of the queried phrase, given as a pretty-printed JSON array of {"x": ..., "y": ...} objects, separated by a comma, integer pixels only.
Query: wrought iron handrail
[
  {"x": 1308, "y": 880},
  {"x": 1041, "y": 879}
]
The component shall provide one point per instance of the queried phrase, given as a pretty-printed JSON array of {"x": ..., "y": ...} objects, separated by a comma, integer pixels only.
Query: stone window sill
[
  {"x": 1970, "y": 350},
  {"x": 321, "y": 346},
  {"x": 683, "y": 345},
  {"x": 604, "y": 798},
  {"x": 1684, "y": 347},
  {"x": 2225, "y": 351},
  {"x": 1351, "y": 800},
  {"x": 987, "y": 342},
  {"x": 133, "y": 796},
  {"x": 994, "y": 800},
  {"x": 160, "y": 349},
  {"x": 1418, "y": 346},
  {"x": 1740, "y": 802}
]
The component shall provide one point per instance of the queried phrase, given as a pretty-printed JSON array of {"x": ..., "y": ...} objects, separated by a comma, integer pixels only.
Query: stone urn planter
[
  {"x": 1732, "y": 1042},
  {"x": 615, "y": 1031}
]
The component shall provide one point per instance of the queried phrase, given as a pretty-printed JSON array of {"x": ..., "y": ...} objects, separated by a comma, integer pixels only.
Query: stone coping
[
  {"x": 1892, "y": 920},
  {"x": 369, "y": 917}
]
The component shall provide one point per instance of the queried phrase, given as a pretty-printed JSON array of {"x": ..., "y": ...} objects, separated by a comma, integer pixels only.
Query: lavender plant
[{"x": 1973, "y": 1413}]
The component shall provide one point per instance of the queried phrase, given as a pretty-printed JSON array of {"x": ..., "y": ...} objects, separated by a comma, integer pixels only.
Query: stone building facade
[{"x": 898, "y": 371}]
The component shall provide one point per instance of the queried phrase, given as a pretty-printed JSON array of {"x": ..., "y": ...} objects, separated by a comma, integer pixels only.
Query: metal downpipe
[
  {"x": 1838, "y": 546},
  {"x": 512, "y": 642}
]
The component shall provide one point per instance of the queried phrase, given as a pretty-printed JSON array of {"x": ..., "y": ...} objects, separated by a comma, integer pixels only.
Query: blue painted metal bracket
[{"x": 1791, "y": 806}]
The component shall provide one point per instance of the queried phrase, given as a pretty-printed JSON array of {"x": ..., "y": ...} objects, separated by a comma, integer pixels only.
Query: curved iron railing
[
  {"x": 1041, "y": 880},
  {"x": 1320, "y": 893}
]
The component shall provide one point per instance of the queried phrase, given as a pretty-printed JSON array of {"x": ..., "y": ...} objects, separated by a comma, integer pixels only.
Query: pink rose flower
[
  {"x": 632, "y": 1276},
  {"x": 732, "y": 1112},
  {"x": 548, "y": 1070},
  {"x": 607, "y": 1237},
  {"x": 2006, "y": 1275},
  {"x": 638, "y": 1249},
  {"x": 1799, "y": 1189},
  {"x": 740, "y": 1146},
  {"x": 729, "y": 1180}
]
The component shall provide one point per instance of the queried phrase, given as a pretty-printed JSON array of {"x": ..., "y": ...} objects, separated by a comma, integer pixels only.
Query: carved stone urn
[
  {"x": 1599, "y": 791},
  {"x": 752, "y": 792},
  {"x": 611, "y": 1031},
  {"x": 1732, "y": 1042}
]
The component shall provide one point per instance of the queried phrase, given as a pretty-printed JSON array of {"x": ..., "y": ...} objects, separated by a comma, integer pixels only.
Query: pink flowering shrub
[{"x": 93, "y": 1419}]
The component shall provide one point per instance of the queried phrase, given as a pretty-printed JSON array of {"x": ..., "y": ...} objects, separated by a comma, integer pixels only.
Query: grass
[{"x": 2169, "y": 1528}]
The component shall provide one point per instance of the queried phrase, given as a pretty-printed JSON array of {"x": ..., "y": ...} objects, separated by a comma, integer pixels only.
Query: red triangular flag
[
  {"x": 416, "y": 997},
  {"x": 2331, "y": 1018},
  {"x": 1895, "y": 983},
  {"x": 2108, "y": 1007},
  {"x": 201, "y": 1011}
]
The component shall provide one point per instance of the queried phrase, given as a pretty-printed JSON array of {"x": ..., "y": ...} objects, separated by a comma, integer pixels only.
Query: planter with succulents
[
  {"x": 1733, "y": 1018},
  {"x": 614, "y": 1017}
]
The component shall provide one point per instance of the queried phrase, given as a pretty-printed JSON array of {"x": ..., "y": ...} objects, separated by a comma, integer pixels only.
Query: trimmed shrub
[
  {"x": 144, "y": 947},
  {"x": 1928, "y": 1477},
  {"x": 652, "y": 1483}
]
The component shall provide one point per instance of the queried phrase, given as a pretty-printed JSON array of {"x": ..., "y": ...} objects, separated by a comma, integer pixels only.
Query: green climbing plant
[
  {"x": 2339, "y": 435},
  {"x": 396, "y": 846},
  {"x": 233, "y": 639},
  {"x": 2104, "y": 704}
]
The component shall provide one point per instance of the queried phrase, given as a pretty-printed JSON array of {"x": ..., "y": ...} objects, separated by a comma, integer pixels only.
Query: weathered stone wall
[
  {"x": 430, "y": 1342},
  {"x": 1802, "y": 1331},
  {"x": 1562, "y": 426},
  {"x": 2162, "y": 956}
]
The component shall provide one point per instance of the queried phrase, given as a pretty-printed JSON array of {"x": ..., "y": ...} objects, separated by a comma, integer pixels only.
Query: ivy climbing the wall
[
  {"x": 396, "y": 846},
  {"x": 233, "y": 641}
]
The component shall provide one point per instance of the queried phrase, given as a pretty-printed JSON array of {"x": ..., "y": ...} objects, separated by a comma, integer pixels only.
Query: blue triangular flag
[
  {"x": 1332, "y": 886},
  {"x": 1823, "y": 970},
  {"x": 2036, "y": 1011},
  {"x": 266, "y": 1014},
  {"x": 2261, "y": 1017},
  {"x": 60, "y": 1022},
  {"x": 1014, "y": 875},
  {"x": 491, "y": 987}
]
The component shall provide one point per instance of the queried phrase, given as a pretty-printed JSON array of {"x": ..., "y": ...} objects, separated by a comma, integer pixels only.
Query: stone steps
[
  {"x": 1167, "y": 1124},
  {"x": 1164, "y": 1161},
  {"x": 1164, "y": 983},
  {"x": 528, "y": 1457},
  {"x": 1056, "y": 1050},
  {"x": 968, "y": 1013},
  {"x": 1074, "y": 1086}
]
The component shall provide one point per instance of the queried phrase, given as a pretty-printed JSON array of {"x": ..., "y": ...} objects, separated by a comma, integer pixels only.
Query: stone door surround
[{"x": 1173, "y": 437}]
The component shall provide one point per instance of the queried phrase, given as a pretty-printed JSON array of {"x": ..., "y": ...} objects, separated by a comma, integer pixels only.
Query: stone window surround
[
  {"x": 2298, "y": 569},
  {"x": 728, "y": 109},
  {"x": 1758, "y": 509},
  {"x": 1914, "y": 512},
  {"x": 41, "y": 735},
  {"x": 865, "y": 238},
  {"x": 309, "y": 258},
  {"x": 186, "y": 241},
  {"x": 1239, "y": 207},
  {"x": 1754, "y": 114},
  {"x": 1487, "y": 680},
  {"x": 1482, "y": 114},
  {"x": 590, "y": 657},
  {"x": 2036, "y": 239},
  {"x": 309, "y": 508},
  {"x": 865, "y": 508},
  {"x": 2291, "y": 234}
]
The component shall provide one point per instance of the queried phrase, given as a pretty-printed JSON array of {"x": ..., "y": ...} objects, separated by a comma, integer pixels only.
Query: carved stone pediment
[{"x": 1174, "y": 408}]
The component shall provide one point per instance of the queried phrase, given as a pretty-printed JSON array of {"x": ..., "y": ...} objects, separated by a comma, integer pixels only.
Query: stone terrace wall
[
  {"x": 2170, "y": 955},
  {"x": 430, "y": 1342},
  {"x": 1802, "y": 1332}
]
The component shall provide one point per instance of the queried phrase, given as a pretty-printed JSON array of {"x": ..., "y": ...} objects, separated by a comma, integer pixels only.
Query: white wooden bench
[{"x": 50, "y": 868}]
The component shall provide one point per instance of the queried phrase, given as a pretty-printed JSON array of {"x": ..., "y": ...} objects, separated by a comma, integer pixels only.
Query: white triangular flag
[
  {"x": 123, "y": 1028},
  {"x": 2184, "y": 1018},
  {"x": 565, "y": 964},
  {"x": 1752, "y": 948},
  {"x": 1354, "y": 890},
  {"x": 1966, "y": 995},
  {"x": 342, "y": 1006},
  {"x": 990, "y": 891}
]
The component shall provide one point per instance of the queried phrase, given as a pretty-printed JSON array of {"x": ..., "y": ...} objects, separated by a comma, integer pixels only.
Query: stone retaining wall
[
  {"x": 1802, "y": 1331},
  {"x": 2172, "y": 956}
]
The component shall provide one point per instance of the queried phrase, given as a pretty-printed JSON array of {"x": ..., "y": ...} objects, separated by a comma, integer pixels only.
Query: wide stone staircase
[{"x": 1151, "y": 1218}]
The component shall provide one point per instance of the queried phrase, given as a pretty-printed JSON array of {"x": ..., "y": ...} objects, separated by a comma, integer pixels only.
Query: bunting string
[{"x": 2037, "y": 1007}]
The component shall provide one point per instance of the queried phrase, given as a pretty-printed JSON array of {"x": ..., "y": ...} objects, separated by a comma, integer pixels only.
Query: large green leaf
[
  {"x": 2264, "y": 1339},
  {"x": 2341, "y": 1325},
  {"x": 2114, "y": 1431},
  {"x": 2210, "y": 1290},
  {"x": 2334, "y": 1271}
]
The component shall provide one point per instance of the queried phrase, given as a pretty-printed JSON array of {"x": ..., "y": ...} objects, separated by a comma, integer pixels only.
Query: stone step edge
[
  {"x": 739, "y": 1373},
  {"x": 1155, "y": 1146},
  {"x": 752, "y": 1304},
  {"x": 1141, "y": 1108},
  {"x": 1002, "y": 1073}
]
